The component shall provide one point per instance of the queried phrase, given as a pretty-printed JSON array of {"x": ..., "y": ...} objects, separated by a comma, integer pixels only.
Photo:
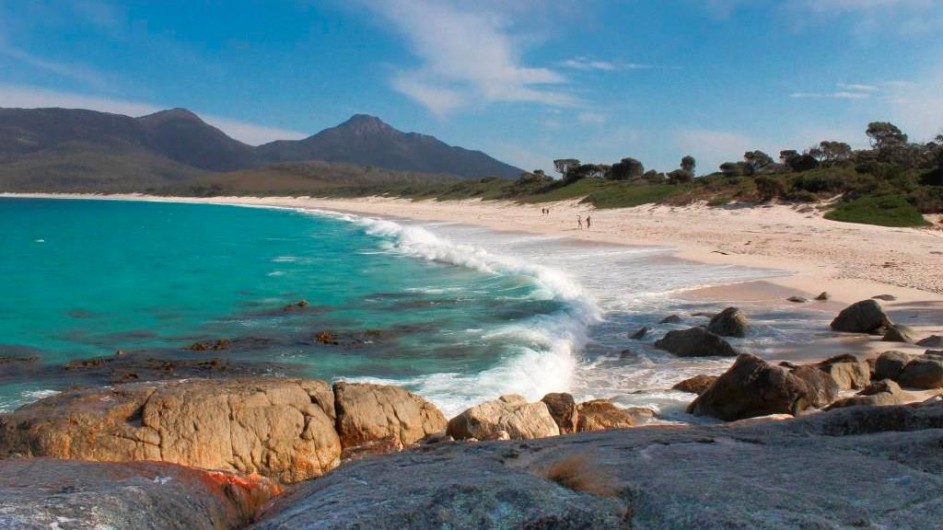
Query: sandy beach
[{"x": 850, "y": 261}]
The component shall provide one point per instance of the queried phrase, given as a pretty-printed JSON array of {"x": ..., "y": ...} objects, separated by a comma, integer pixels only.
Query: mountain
[
  {"x": 368, "y": 141},
  {"x": 82, "y": 150},
  {"x": 182, "y": 136}
]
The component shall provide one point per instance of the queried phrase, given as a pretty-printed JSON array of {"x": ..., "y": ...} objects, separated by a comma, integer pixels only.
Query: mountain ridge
[{"x": 62, "y": 148}]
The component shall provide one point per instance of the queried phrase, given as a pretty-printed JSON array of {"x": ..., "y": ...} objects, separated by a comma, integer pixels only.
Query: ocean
[{"x": 455, "y": 313}]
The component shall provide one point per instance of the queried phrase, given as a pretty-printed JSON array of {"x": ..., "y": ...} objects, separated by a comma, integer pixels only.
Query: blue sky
[{"x": 526, "y": 81}]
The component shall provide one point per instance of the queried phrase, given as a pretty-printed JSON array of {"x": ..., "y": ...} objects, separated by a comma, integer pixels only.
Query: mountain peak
[
  {"x": 365, "y": 124},
  {"x": 177, "y": 113}
]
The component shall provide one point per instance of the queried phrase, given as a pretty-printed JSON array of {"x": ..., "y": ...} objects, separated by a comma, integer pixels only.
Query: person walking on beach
[
  {"x": 579, "y": 222},
  {"x": 589, "y": 224}
]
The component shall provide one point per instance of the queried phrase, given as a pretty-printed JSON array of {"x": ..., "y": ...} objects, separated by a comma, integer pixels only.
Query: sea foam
[{"x": 542, "y": 349}]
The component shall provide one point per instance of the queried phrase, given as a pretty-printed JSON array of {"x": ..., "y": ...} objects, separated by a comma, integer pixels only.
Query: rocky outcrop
[
  {"x": 877, "y": 394},
  {"x": 387, "y": 417},
  {"x": 924, "y": 371},
  {"x": 847, "y": 371},
  {"x": 899, "y": 333},
  {"x": 752, "y": 387},
  {"x": 602, "y": 415},
  {"x": 695, "y": 342},
  {"x": 272, "y": 427},
  {"x": 865, "y": 316},
  {"x": 562, "y": 408},
  {"x": 49, "y": 493},
  {"x": 890, "y": 364},
  {"x": 640, "y": 333},
  {"x": 651, "y": 477},
  {"x": 670, "y": 319},
  {"x": 511, "y": 414},
  {"x": 695, "y": 385},
  {"x": 286, "y": 429},
  {"x": 731, "y": 322}
]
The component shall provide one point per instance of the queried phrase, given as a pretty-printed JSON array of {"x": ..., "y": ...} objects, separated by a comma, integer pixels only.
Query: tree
[
  {"x": 885, "y": 135},
  {"x": 834, "y": 151},
  {"x": 626, "y": 169},
  {"x": 563, "y": 165},
  {"x": 688, "y": 164},
  {"x": 756, "y": 161},
  {"x": 732, "y": 169}
]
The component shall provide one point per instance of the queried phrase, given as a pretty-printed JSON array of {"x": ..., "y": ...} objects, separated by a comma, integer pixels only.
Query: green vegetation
[{"x": 889, "y": 210}]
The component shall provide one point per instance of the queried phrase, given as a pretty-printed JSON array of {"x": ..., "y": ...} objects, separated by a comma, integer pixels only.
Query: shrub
[
  {"x": 887, "y": 210},
  {"x": 582, "y": 474},
  {"x": 769, "y": 188},
  {"x": 817, "y": 183}
]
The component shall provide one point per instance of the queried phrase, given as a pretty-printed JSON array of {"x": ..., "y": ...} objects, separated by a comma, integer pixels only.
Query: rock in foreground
[
  {"x": 48, "y": 493},
  {"x": 370, "y": 415},
  {"x": 814, "y": 472},
  {"x": 274, "y": 427},
  {"x": 511, "y": 414}
]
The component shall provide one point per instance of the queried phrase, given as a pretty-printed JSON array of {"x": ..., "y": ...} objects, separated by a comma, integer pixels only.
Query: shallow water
[{"x": 457, "y": 313}]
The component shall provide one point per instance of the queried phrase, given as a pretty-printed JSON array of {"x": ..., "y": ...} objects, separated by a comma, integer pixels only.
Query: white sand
[{"x": 850, "y": 261}]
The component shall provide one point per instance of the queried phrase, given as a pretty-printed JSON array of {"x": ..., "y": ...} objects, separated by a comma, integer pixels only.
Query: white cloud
[
  {"x": 857, "y": 87},
  {"x": 584, "y": 63},
  {"x": 874, "y": 19},
  {"x": 843, "y": 91},
  {"x": 17, "y": 96},
  {"x": 75, "y": 73},
  {"x": 466, "y": 56},
  {"x": 832, "y": 95}
]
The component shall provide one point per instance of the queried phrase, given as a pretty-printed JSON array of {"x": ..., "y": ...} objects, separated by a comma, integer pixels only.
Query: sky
[{"x": 526, "y": 81}]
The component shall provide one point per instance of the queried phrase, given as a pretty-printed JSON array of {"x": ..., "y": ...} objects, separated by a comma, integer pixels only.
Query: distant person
[
  {"x": 589, "y": 224},
  {"x": 579, "y": 222}
]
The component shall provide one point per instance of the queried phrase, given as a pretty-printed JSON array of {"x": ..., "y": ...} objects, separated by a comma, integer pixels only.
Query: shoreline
[
  {"x": 708, "y": 243},
  {"x": 778, "y": 238}
]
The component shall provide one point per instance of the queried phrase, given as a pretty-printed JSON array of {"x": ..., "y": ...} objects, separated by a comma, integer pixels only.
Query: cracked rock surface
[
  {"x": 863, "y": 467},
  {"x": 280, "y": 428},
  {"x": 69, "y": 494}
]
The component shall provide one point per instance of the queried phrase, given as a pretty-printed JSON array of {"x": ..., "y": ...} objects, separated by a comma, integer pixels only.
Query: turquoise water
[
  {"x": 86, "y": 278},
  {"x": 456, "y": 313}
]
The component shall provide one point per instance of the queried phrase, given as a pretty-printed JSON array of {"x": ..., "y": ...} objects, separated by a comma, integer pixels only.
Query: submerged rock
[
  {"x": 899, "y": 333},
  {"x": 731, "y": 322},
  {"x": 695, "y": 342},
  {"x": 865, "y": 316},
  {"x": 48, "y": 493},
  {"x": 670, "y": 319},
  {"x": 511, "y": 413},
  {"x": 640, "y": 334},
  {"x": 933, "y": 341},
  {"x": 752, "y": 387}
]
